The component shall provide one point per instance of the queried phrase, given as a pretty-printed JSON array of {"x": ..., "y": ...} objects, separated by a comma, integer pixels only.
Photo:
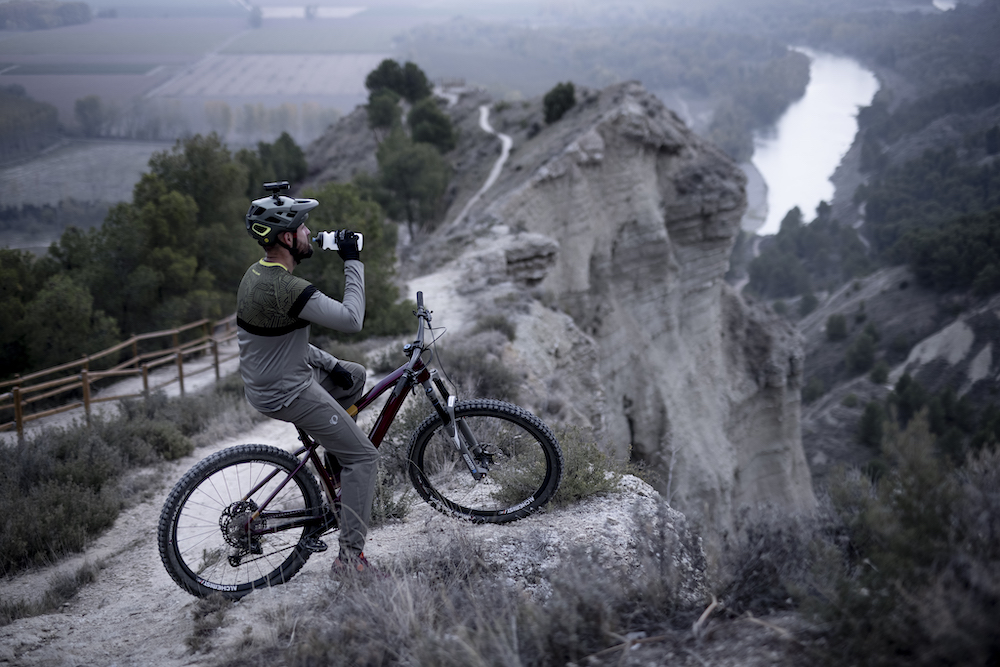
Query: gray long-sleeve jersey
[{"x": 273, "y": 313}]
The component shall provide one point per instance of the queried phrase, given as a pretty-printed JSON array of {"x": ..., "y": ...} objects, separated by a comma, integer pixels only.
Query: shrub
[
  {"x": 587, "y": 469},
  {"x": 558, "y": 101},
  {"x": 478, "y": 372},
  {"x": 861, "y": 354},
  {"x": 870, "y": 429},
  {"x": 497, "y": 322},
  {"x": 928, "y": 604},
  {"x": 452, "y": 609},
  {"x": 815, "y": 387},
  {"x": 836, "y": 327},
  {"x": 209, "y": 615},
  {"x": 63, "y": 486},
  {"x": 880, "y": 373},
  {"x": 387, "y": 505},
  {"x": 61, "y": 588},
  {"x": 767, "y": 564}
]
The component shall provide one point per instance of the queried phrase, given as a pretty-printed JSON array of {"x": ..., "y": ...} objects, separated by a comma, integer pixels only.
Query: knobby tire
[
  {"x": 201, "y": 535},
  {"x": 521, "y": 454}
]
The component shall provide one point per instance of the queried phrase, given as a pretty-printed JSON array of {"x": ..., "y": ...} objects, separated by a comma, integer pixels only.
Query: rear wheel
[
  {"x": 212, "y": 537},
  {"x": 518, "y": 452}
]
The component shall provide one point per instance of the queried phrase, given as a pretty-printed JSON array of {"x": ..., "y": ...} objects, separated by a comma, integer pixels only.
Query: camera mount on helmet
[{"x": 276, "y": 188}]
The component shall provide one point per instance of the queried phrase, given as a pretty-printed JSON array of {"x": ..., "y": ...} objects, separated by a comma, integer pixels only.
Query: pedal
[{"x": 314, "y": 545}]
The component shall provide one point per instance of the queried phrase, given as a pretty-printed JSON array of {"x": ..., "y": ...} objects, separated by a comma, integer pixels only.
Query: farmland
[{"x": 167, "y": 69}]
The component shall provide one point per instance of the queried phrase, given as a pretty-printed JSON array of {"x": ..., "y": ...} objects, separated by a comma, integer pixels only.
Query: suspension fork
[{"x": 453, "y": 424}]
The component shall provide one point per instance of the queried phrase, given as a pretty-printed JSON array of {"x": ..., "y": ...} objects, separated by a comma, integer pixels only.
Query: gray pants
[{"x": 321, "y": 414}]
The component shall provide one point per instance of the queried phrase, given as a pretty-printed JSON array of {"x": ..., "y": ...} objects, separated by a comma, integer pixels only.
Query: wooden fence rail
[{"x": 78, "y": 377}]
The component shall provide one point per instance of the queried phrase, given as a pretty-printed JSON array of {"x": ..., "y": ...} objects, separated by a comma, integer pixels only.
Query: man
[{"x": 286, "y": 378}]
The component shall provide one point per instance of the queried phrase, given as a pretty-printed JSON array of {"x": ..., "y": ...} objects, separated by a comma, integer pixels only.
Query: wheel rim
[
  {"x": 518, "y": 468},
  {"x": 210, "y": 537}
]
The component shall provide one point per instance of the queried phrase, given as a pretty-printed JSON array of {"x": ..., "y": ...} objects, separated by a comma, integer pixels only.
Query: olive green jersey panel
[{"x": 270, "y": 300}]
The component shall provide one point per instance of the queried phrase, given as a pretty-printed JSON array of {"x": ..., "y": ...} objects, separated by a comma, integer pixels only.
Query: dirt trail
[{"x": 135, "y": 615}]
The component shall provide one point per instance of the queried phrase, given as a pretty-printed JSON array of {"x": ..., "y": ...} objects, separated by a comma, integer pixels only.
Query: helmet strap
[{"x": 297, "y": 255}]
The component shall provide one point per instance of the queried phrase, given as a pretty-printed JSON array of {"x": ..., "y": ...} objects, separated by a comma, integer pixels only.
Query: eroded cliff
[{"x": 606, "y": 240}]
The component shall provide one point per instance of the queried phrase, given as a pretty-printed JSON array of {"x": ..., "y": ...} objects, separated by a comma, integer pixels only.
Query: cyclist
[{"x": 288, "y": 379}]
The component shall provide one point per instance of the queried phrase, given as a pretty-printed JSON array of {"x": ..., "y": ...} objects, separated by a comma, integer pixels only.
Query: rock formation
[{"x": 606, "y": 241}]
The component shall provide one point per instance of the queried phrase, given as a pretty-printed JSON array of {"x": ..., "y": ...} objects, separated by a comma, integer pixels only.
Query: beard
[{"x": 300, "y": 254}]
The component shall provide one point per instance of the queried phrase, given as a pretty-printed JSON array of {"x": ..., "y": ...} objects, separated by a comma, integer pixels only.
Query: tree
[
  {"x": 64, "y": 325},
  {"x": 558, "y": 101},
  {"x": 408, "y": 81},
  {"x": 20, "y": 281},
  {"x": 383, "y": 110},
  {"x": 861, "y": 353},
  {"x": 281, "y": 161},
  {"x": 416, "y": 87},
  {"x": 836, "y": 327},
  {"x": 343, "y": 206},
  {"x": 387, "y": 76},
  {"x": 415, "y": 177},
  {"x": 428, "y": 124},
  {"x": 89, "y": 113},
  {"x": 870, "y": 428}
]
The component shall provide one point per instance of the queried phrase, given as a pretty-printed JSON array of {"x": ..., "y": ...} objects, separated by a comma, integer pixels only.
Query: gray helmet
[{"x": 274, "y": 214}]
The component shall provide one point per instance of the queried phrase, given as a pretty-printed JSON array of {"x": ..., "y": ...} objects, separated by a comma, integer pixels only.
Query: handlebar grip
[{"x": 420, "y": 299}]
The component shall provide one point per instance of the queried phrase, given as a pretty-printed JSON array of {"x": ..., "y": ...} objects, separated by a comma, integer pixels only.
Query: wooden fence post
[
  {"x": 85, "y": 381},
  {"x": 180, "y": 370},
  {"x": 145, "y": 381},
  {"x": 215, "y": 355},
  {"x": 18, "y": 412}
]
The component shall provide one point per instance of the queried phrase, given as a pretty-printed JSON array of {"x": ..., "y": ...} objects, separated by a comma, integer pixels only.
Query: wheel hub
[{"x": 238, "y": 527}]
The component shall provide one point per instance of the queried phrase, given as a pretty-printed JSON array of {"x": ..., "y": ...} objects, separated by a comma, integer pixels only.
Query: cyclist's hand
[
  {"x": 347, "y": 245},
  {"x": 341, "y": 377}
]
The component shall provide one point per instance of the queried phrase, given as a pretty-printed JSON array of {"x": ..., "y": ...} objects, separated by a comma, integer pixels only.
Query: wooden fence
[{"x": 78, "y": 379}]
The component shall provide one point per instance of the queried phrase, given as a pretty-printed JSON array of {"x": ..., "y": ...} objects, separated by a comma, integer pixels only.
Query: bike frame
[{"x": 402, "y": 381}]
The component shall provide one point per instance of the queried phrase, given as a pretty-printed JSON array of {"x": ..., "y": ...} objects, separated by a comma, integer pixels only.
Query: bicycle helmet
[{"x": 269, "y": 216}]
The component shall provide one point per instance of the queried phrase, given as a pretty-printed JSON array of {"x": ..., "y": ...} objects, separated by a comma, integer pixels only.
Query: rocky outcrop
[
  {"x": 621, "y": 223},
  {"x": 605, "y": 240}
]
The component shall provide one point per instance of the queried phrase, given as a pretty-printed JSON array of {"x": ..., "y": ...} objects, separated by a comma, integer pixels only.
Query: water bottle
[{"x": 327, "y": 240}]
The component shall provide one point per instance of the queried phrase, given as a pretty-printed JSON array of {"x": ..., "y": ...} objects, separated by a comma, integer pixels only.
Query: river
[{"x": 798, "y": 155}]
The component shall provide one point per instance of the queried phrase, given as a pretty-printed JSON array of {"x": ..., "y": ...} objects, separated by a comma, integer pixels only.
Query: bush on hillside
[
  {"x": 62, "y": 487},
  {"x": 558, "y": 101}
]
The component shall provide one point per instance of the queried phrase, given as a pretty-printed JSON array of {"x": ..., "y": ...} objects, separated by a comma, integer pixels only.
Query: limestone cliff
[{"x": 606, "y": 240}]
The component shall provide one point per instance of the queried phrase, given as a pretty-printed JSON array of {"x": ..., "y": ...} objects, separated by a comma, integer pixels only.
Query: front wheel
[
  {"x": 238, "y": 521},
  {"x": 517, "y": 452}
]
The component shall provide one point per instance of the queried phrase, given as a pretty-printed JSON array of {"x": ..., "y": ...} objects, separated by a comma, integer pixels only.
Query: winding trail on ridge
[{"x": 505, "y": 145}]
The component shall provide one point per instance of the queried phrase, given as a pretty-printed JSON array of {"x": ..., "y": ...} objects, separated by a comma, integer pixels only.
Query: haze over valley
[{"x": 747, "y": 251}]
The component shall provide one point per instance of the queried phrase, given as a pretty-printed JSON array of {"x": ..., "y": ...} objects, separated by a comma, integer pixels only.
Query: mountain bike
[{"x": 250, "y": 516}]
